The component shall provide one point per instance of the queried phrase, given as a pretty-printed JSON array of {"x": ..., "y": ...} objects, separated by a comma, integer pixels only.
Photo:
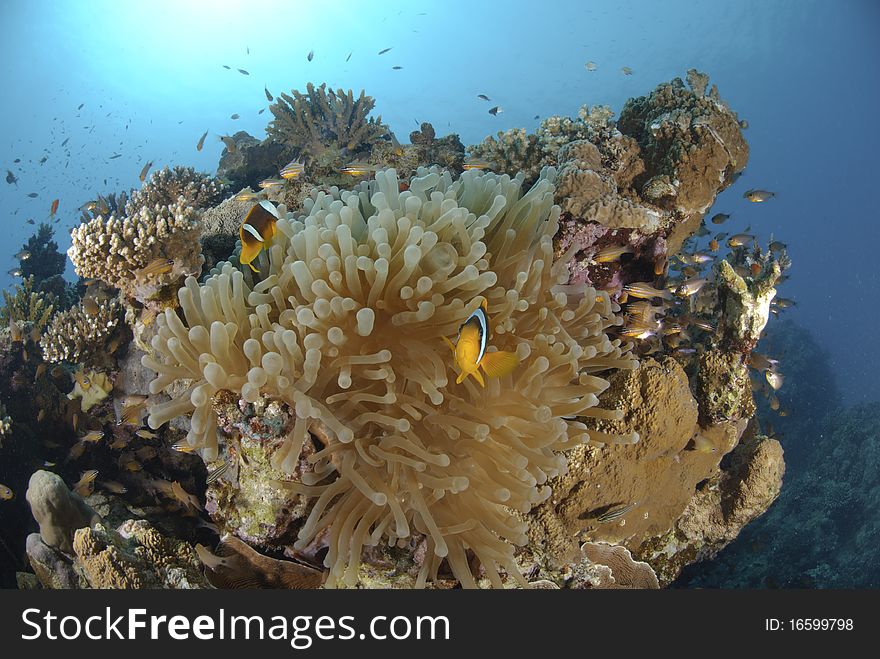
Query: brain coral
[{"x": 345, "y": 326}]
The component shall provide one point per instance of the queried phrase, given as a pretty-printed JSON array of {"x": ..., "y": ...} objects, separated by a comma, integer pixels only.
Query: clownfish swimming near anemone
[
  {"x": 470, "y": 353},
  {"x": 257, "y": 232}
]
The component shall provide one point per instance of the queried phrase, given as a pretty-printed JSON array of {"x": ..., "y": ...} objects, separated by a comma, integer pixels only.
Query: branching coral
[
  {"x": 115, "y": 249},
  {"x": 78, "y": 337},
  {"x": 26, "y": 306},
  {"x": 318, "y": 119},
  {"x": 167, "y": 185},
  {"x": 345, "y": 326}
]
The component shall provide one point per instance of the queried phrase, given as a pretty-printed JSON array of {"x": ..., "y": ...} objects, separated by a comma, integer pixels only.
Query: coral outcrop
[
  {"x": 81, "y": 336},
  {"x": 58, "y": 511},
  {"x": 123, "y": 251},
  {"x": 136, "y": 555},
  {"x": 169, "y": 185},
  {"x": 251, "y": 160},
  {"x": 745, "y": 486},
  {"x": 344, "y": 326}
]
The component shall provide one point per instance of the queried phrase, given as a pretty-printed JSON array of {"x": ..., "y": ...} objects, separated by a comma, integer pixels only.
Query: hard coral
[
  {"x": 78, "y": 337},
  {"x": 320, "y": 119},
  {"x": 166, "y": 186},
  {"x": 345, "y": 326},
  {"x": 688, "y": 137},
  {"x": 115, "y": 248},
  {"x": 26, "y": 306}
]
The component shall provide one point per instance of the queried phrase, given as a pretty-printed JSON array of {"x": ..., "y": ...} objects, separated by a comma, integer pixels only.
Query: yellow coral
[{"x": 346, "y": 327}]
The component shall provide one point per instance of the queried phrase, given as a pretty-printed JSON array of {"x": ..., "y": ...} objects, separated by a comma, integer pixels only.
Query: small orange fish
[
  {"x": 612, "y": 253},
  {"x": 470, "y": 353},
  {"x": 86, "y": 484},
  {"x": 54, "y": 208},
  {"x": 646, "y": 291}
]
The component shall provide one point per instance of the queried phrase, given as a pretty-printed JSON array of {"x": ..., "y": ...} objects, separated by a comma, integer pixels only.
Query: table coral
[{"x": 345, "y": 325}]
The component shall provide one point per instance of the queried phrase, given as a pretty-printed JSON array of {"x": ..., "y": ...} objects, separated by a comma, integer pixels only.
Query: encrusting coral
[
  {"x": 76, "y": 336},
  {"x": 344, "y": 325},
  {"x": 115, "y": 249},
  {"x": 320, "y": 119}
]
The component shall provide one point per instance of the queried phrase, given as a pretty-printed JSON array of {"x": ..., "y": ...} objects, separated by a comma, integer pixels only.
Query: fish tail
[{"x": 498, "y": 364}]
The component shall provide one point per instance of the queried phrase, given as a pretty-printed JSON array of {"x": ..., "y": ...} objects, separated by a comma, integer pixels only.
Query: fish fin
[
  {"x": 449, "y": 343},
  {"x": 484, "y": 305},
  {"x": 498, "y": 364},
  {"x": 479, "y": 378}
]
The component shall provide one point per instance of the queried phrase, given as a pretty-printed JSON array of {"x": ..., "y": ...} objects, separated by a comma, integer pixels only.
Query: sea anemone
[{"x": 345, "y": 323}]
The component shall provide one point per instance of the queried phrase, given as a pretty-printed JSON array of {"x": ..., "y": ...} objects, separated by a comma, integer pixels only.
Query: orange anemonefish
[
  {"x": 257, "y": 231},
  {"x": 470, "y": 350}
]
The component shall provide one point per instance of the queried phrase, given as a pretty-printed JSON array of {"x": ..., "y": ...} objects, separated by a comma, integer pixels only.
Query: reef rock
[
  {"x": 252, "y": 161},
  {"x": 749, "y": 481},
  {"x": 58, "y": 511},
  {"x": 53, "y": 569}
]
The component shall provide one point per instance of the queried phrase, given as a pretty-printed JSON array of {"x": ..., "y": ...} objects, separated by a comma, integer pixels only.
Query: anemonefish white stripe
[
  {"x": 483, "y": 326},
  {"x": 251, "y": 230},
  {"x": 270, "y": 207}
]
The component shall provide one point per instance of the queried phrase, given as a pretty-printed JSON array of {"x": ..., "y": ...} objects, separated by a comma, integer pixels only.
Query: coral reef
[
  {"x": 407, "y": 454},
  {"x": 322, "y": 120},
  {"x": 124, "y": 252},
  {"x": 167, "y": 186},
  {"x": 312, "y": 410},
  {"x": 77, "y": 336}
]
